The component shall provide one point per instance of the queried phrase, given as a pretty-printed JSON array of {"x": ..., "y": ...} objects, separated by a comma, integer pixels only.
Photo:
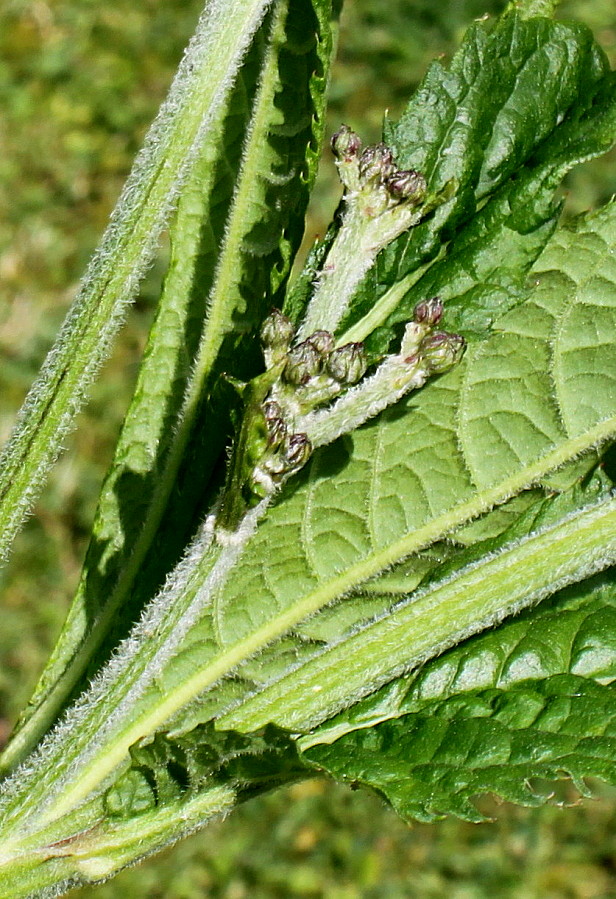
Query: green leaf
[
  {"x": 382, "y": 643},
  {"x": 237, "y": 228},
  {"x": 199, "y": 90},
  {"x": 167, "y": 769},
  {"x": 434, "y": 763},
  {"x": 572, "y": 632},
  {"x": 479, "y": 122}
]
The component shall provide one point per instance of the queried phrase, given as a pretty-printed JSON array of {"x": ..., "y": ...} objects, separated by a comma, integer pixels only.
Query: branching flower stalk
[
  {"x": 313, "y": 390},
  {"x": 380, "y": 203}
]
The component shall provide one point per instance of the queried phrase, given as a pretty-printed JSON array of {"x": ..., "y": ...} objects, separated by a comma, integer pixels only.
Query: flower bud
[
  {"x": 272, "y": 410},
  {"x": 298, "y": 450},
  {"x": 440, "y": 351},
  {"x": 376, "y": 163},
  {"x": 277, "y": 331},
  {"x": 345, "y": 143},
  {"x": 303, "y": 363},
  {"x": 347, "y": 364},
  {"x": 276, "y": 432},
  {"x": 407, "y": 185},
  {"x": 322, "y": 341},
  {"x": 428, "y": 312}
]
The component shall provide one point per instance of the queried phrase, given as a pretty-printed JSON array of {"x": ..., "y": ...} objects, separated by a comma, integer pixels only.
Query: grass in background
[{"x": 79, "y": 83}]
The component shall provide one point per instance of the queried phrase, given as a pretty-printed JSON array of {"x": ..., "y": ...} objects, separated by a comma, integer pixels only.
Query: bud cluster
[
  {"x": 436, "y": 351},
  {"x": 381, "y": 202},
  {"x": 285, "y": 453},
  {"x": 423, "y": 352},
  {"x": 314, "y": 391},
  {"x": 312, "y": 371},
  {"x": 303, "y": 376},
  {"x": 372, "y": 174}
]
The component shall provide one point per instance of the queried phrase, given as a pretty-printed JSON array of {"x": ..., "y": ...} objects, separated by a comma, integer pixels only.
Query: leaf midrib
[
  {"x": 369, "y": 567},
  {"x": 478, "y": 596}
]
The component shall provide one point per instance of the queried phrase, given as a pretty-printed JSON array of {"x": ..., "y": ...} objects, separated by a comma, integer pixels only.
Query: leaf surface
[
  {"x": 434, "y": 763},
  {"x": 475, "y": 123}
]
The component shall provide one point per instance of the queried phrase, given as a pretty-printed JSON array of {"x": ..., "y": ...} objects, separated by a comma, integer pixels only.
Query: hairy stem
[{"x": 201, "y": 86}]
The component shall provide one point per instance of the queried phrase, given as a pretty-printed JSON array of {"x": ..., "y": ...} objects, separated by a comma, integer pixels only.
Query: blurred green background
[{"x": 80, "y": 81}]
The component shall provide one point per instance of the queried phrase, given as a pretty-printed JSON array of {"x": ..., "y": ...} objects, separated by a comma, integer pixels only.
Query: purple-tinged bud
[
  {"x": 347, "y": 364},
  {"x": 298, "y": 450},
  {"x": 272, "y": 410},
  {"x": 428, "y": 312},
  {"x": 322, "y": 341},
  {"x": 276, "y": 432},
  {"x": 277, "y": 331},
  {"x": 303, "y": 363},
  {"x": 345, "y": 143},
  {"x": 376, "y": 164},
  {"x": 440, "y": 351},
  {"x": 407, "y": 185}
]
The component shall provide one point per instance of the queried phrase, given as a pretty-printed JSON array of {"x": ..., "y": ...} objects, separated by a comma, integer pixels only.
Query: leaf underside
[{"x": 491, "y": 427}]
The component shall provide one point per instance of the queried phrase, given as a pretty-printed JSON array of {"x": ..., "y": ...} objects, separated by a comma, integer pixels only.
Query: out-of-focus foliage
[{"x": 79, "y": 83}]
